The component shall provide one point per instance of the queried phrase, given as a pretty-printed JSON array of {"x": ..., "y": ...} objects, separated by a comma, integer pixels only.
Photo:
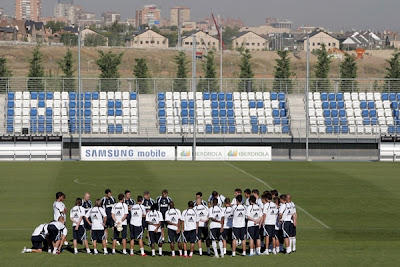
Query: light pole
[
  {"x": 79, "y": 93},
  {"x": 194, "y": 96},
  {"x": 306, "y": 96}
]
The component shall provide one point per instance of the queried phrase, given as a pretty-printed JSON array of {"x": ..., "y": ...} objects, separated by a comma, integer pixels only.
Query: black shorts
[
  {"x": 269, "y": 230},
  {"x": 128, "y": 218},
  {"x": 37, "y": 242},
  {"x": 136, "y": 232},
  {"x": 86, "y": 225},
  {"x": 173, "y": 237},
  {"x": 155, "y": 238},
  {"x": 189, "y": 236},
  {"x": 79, "y": 234},
  {"x": 286, "y": 229},
  {"x": 292, "y": 230},
  {"x": 227, "y": 234},
  {"x": 279, "y": 235},
  {"x": 109, "y": 222},
  {"x": 163, "y": 223},
  {"x": 123, "y": 232},
  {"x": 215, "y": 234},
  {"x": 203, "y": 231},
  {"x": 54, "y": 233},
  {"x": 239, "y": 233},
  {"x": 253, "y": 232},
  {"x": 98, "y": 235}
]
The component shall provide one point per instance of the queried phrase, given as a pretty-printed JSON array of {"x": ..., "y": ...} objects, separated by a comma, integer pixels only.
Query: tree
[
  {"x": 108, "y": 65},
  {"x": 348, "y": 70},
  {"x": 172, "y": 39},
  {"x": 283, "y": 72},
  {"x": 322, "y": 70},
  {"x": 228, "y": 34},
  {"x": 210, "y": 73},
  {"x": 180, "y": 84},
  {"x": 55, "y": 26},
  {"x": 246, "y": 72},
  {"x": 141, "y": 71},
  {"x": 393, "y": 72},
  {"x": 67, "y": 66},
  {"x": 69, "y": 39},
  {"x": 95, "y": 39},
  {"x": 5, "y": 73},
  {"x": 36, "y": 71}
]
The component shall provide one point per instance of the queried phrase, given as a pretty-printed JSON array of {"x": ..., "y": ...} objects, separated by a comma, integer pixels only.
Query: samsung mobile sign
[
  {"x": 225, "y": 153},
  {"x": 107, "y": 153}
]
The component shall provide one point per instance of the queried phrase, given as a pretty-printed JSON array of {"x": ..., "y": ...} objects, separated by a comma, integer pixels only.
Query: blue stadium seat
[
  {"x": 88, "y": 104},
  {"x": 345, "y": 129},
  {"x": 392, "y": 96},
  {"x": 206, "y": 96},
  {"x": 367, "y": 121},
  {"x": 282, "y": 113},
  {"x": 162, "y": 121},
  {"x": 110, "y": 104},
  {"x": 10, "y": 112},
  {"x": 118, "y": 104},
  {"x": 396, "y": 113},
  {"x": 334, "y": 113},
  {"x": 72, "y": 104},
  {"x": 281, "y": 96},
  {"x": 397, "y": 129},
  {"x": 339, "y": 96},
  {"x": 252, "y": 104},
  {"x": 230, "y": 113},
  {"x": 161, "y": 104},
  {"x": 372, "y": 113},
  {"x": 231, "y": 121},
  {"x": 274, "y": 96},
  {"x": 229, "y": 97},
  {"x": 342, "y": 113},
  {"x": 110, "y": 112},
  {"x": 224, "y": 129},
  {"x": 253, "y": 120},
  {"x": 33, "y": 129},
  {"x": 260, "y": 104},
  {"x": 343, "y": 121},
  {"x": 132, "y": 96},
  {"x": 41, "y": 104},
  {"x": 364, "y": 113},
  {"x": 214, "y": 104},
  {"x": 95, "y": 96},
  {"x": 221, "y": 97},
  {"x": 191, "y": 121},
  {"x": 49, "y": 112},
  {"x": 277, "y": 121},
  {"x": 328, "y": 121},
  {"x": 336, "y": 129},
  {"x": 33, "y": 112},
  {"x": 184, "y": 104},
  {"x": 391, "y": 129},
  {"x": 332, "y": 105},
  {"x": 385, "y": 96},
  {"x": 191, "y": 103},
  {"x": 222, "y": 113},
  {"x": 398, "y": 96},
  {"x": 88, "y": 113},
  {"x": 216, "y": 129},
  {"x": 161, "y": 112},
  {"x": 325, "y": 105},
  {"x": 285, "y": 121},
  {"x": 191, "y": 113},
  {"x": 394, "y": 105},
  {"x": 72, "y": 112},
  {"x": 340, "y": 105},
  {"x": 324, "y": 97},
  {"x": 282, "y": 104},
  {"x": 363, "y": 104},
  {"x": 34, "y": 95},
  {"x": 42, "y": 96},
  {"x": 223, "y": 121},
  {"x": 49, "y": 129},
  {"x": 111, "y": 128},
  {"x": 214, "y": 113},
  {"x": 88, "y": 96},
  {"x": 214, "y": 96},
  {"x": 254, "y": 129},
  {"x": 285, "y": 129},
  {"x": 208, "y": 128},
  {"x": 335, "y": 121},
  {"x": 41, "y": 129},
  {"x": 332, "y": 97},
  {"x": 222, "y": 105},
  {"x": 275, "y": 113},
  {"x": 185, "y": 121},
  {"x": 229, "y": 104},
  {"x": 374, "y": 121},
  {"x": 161, "y": 96},
  {"x": 327, "y": 113},
  {"x": 232, "y": 129},
  {"x": 371, "y": 105},
  {"x": 10, "y": 104},
  {"x": 263, "y": 129},
  {"x": 215, "y": 121},
  {"x": 329, "y": 129},
  {"x": 11, "y": 96}
]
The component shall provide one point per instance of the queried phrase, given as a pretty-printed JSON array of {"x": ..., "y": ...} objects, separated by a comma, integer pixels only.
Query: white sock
[
  {"x": 131, "y": 251},
  {"x": 201, "y": 251},
  {"x": 191, "y": 254},
  {"x": 244, "y": 253},
  {"x": 160, "y": 251},
  {"x": 49, "y": 250},
  {"x": 88, "y": 250},
  {"x": 214, "y": 245},
  {"x": 251, "y": 251},
  {"x": 294, "y": 243},
  {"x": 290, "y": 242},
  {"x": 54, "y": 250},
  {"x": 185, "y": 253},
  {"x": 173, "y": 253},
  {"x": 224, "y": 250},
  {"x": 28, "y": 250},
  {"x": 180, "y": 252},
  {"x": 124, "y": 251},
  {"x": 113, "y": 251},
  {"x": 141, "y": 251},
  {"x": 258, "y": 250},
  {"x": 75, "y": 250},
  {"x": 95, "y": 251},
  {"x": 153, "y": 252},
  {"x": 233, "y": 253},
  {"x": 105, "y": 250},
  {"x": 221, "y": 247}
]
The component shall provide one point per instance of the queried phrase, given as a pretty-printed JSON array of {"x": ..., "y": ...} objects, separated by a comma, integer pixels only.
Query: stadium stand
[
  {"x": 354, "y": 113},
  {"x": 223, "y": 113},
  {"x": 57, "y": 113}
]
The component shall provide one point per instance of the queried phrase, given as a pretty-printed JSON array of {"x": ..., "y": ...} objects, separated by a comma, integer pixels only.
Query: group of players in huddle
[{"x": 268, "y": 221}]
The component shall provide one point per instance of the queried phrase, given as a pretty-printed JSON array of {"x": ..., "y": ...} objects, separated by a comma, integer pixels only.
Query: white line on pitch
[{"x": 267, "y": 185}]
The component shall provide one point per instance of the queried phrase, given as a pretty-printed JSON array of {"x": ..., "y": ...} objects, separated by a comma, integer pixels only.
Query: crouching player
[
  {"x": 216, "y": 215},
  {"x": 57, "y": 234},
  {"x": 96, "y": 217},
  {"x": 173, "y": 218},
  {"x": 38, "y": 239},
  {"x": 77, "y": 215},
  {"x": 136, "y": 225}
]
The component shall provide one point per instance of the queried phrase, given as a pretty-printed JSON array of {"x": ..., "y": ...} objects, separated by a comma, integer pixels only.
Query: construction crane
[{"x": 219, "y": 33}]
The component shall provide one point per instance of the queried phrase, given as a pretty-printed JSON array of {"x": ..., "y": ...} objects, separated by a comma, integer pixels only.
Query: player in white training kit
[
  {"x": 190, "y": 226},
  {"x": 228, "y": 220},
  {"x": 216, "y": 215},
  {"x": 59, "y": 209},
  {"x": 38, "y": 239},
  {"x": 285, "y": 217},
  {"x": 220, "y": 198},
  {"x": 239, "y": 225},
  {"x": 292, "y": 234},
  {"x": 97, "y": 222},
  {"x": 119, "y": 213},
  {"x": 202, "y": 233},
  {"x": 254, "y": 217},
  {"x": 77, "y": 216},
  {"x": 154, "y": 220},
  {"x": 138, "y": 212},
  {"x": 270, "y": 214},
  {"x": 56, "y": 234},
  {"x": 173, "y": 219}
]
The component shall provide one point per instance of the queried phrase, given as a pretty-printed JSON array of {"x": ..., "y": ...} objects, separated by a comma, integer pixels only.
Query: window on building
[
  {"x": 253, "y": 44},
  {"x": 186, "y": 43},
  {"x": 329, "y": 44},
  {"x": 313, "y": 44},
  {"x": 213, "y": 43},
  {"x": 158, "y": 42},
  {"x": 319, "y": 43},
  {"x": 141, "y": 42},
  {"x": 258, "y": 44},
  {"x": 247, "y": 43},
  {"x": 334, "y": 44}
]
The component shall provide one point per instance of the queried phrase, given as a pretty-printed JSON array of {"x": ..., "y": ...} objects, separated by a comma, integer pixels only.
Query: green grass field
[{"x": 348, "y": 213}]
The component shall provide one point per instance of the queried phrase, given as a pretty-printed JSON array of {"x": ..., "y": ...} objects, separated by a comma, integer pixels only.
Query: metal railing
[{"x": 154, "y": 85}]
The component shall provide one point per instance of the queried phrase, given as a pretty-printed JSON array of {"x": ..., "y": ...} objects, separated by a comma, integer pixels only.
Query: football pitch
[{"x": 348, "y": 212}]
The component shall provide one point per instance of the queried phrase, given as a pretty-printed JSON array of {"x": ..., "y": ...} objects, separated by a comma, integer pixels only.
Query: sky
[{"x": 332, "y": 15}]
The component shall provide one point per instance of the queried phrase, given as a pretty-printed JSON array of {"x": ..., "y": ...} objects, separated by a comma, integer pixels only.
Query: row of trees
[{"x": 109, "y": 62}]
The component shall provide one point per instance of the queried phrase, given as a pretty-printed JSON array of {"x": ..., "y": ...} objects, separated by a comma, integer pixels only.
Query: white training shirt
[
  {"x": 202, "y": 213},
  {"x": 60, "y": 226},
  {"x": 284, "y": 209},
  {"x": 220, "y": 198},
  {"x": 253, "y": 211},
  {"x": 119, "y": 210},
  {"x": 228, "y": 218},
  {"x": 154, "y": 217},
  {"x": 137, "y": 212},
  {"x": 190, "y": 218},
  {"x": 97, "y": 215},
  {"x": 58, "y": 207},
  {"x": 216, "y": 213},
  {"x": 271, "y": 213},
  {"x": 173, "y": 216},
  {"x": 247, "y": 202},
  {"x": 259, "y": 203},
  {"x": 75, "y": 213},
  {"x": 239, "y": 216},
  {"x": 292, "y": 208},
  {"x": 41, "y": 230}
]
